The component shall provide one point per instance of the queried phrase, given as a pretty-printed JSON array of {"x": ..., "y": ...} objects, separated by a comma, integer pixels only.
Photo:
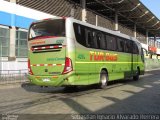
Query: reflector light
[{"x": 29, "y": 68}]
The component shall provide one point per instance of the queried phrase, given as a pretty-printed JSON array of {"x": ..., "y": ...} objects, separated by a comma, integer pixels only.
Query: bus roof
[{"x": 116, "y": 33}]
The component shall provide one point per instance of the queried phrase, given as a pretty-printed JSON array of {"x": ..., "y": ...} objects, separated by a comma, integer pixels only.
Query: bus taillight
[
  {"x": 68, "y": 66},
  {"x": 29, "y": 68}
]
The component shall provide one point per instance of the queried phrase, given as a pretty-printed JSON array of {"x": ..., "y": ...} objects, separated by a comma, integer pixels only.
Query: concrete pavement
[{"x": 127, "y": 96}]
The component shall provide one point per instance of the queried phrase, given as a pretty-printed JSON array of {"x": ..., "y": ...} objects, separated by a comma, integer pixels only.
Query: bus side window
[
  {"x": 126, "y": 47},
  {"x": 98, "y": 36},
  {"x": 79, "y": 34},
  {"x": 129, "y": 46},
  {"x": 134, "y": 51},
  {"x": 100, "y": 41},
  {"x": 88, "y": 38},
  {"x": 95, "y": 44},
  {"x": 111, "y": 43},
  {"x": 120, "y": 44},
  {"x": 135, "y": 48}
]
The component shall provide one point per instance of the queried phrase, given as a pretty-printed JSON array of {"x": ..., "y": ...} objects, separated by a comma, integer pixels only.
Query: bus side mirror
[{"x": 146, "y": 52}]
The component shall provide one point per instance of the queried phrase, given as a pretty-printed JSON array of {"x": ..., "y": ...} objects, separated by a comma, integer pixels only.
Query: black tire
[
  {"x": 103, "y": 79},
  {"x": 136, "y": 77}
]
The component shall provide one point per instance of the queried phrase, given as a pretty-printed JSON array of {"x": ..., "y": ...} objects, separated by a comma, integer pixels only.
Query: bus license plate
[{"x": 45, "y": 79}]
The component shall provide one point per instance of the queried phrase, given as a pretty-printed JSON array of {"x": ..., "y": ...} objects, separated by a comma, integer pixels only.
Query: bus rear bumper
[{"x": 52, "y": 80}]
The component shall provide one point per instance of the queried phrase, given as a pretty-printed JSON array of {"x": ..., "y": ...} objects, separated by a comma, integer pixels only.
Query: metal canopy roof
[{"x": 130, "y": 12}]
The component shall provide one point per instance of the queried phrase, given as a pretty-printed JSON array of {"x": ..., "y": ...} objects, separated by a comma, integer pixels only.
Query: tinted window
[
  {"x": 111, "y": 42},
  {"x": 89, "y": 38},
  {"x": 98, "y": 37},
  {"x": 135, "y": 48},
  {"x": 128, "y": 46},
  {"x": 80, "y": 34},
  {"x": 47, "y": 28},
  {"x": 102, "y": 41},
  {"x": 92, "y": 38},
  {"x": 120, "y": 44},
  {"x": 95, "y": 42}
]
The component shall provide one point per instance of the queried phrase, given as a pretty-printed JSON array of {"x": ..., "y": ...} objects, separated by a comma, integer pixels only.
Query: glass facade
[
  {"x": 21, "y": 44},
  {"x": 4, "y": 41}
]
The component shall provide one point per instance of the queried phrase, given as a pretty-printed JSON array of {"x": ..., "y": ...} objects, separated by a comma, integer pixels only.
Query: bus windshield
[{"x": 47, "y": 28}]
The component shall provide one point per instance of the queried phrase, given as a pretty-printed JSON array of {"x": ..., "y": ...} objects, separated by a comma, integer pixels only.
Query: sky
[{"x": 153, "y": 6}]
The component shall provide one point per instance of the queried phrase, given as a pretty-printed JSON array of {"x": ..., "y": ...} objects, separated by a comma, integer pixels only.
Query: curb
[
  {"x": 152, "y": 70},
  {"x": 11, "y": 85}
]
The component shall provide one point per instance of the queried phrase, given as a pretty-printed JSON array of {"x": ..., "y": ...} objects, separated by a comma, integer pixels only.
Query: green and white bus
[{"x": 69, "y": 52}]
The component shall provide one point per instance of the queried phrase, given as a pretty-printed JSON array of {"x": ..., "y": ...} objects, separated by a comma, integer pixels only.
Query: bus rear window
[{"x": 47, "y": 28}]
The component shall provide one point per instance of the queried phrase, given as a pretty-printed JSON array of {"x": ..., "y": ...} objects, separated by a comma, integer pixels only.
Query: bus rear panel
[{"x": 48, "y": 63}]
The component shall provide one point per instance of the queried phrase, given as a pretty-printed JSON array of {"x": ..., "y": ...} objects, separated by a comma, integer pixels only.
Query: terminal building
[{"x": 125, "y": 16}]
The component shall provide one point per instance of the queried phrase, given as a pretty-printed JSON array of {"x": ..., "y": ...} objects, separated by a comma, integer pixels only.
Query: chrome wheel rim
[{"x": 103, "y": 80}]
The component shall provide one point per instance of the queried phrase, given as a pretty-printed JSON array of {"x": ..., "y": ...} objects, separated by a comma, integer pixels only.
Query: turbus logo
[{"x": 101, "y": 56}]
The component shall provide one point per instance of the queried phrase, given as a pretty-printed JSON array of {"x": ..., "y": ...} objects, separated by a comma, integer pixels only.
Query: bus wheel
[
  {"x": 103, "y": 79},
  {"x": 136, "y": 77}
]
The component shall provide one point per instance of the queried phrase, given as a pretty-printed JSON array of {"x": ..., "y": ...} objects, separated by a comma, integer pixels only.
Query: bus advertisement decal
[{"x": 100, "y": 56}]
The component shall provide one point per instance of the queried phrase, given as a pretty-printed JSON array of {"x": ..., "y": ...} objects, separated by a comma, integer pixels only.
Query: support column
[
  {"x": 116, "y": 21},
  {"x": 135, "y": 31},
  {"x": 147, "y": 40},
  {"x": 147, "y": 37},
  {"x": 12, "y": 42},
  {"x": 155, "y": 45},
  {"x": 96, "y": 20},
  {"x": 84, "y": 12}
]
